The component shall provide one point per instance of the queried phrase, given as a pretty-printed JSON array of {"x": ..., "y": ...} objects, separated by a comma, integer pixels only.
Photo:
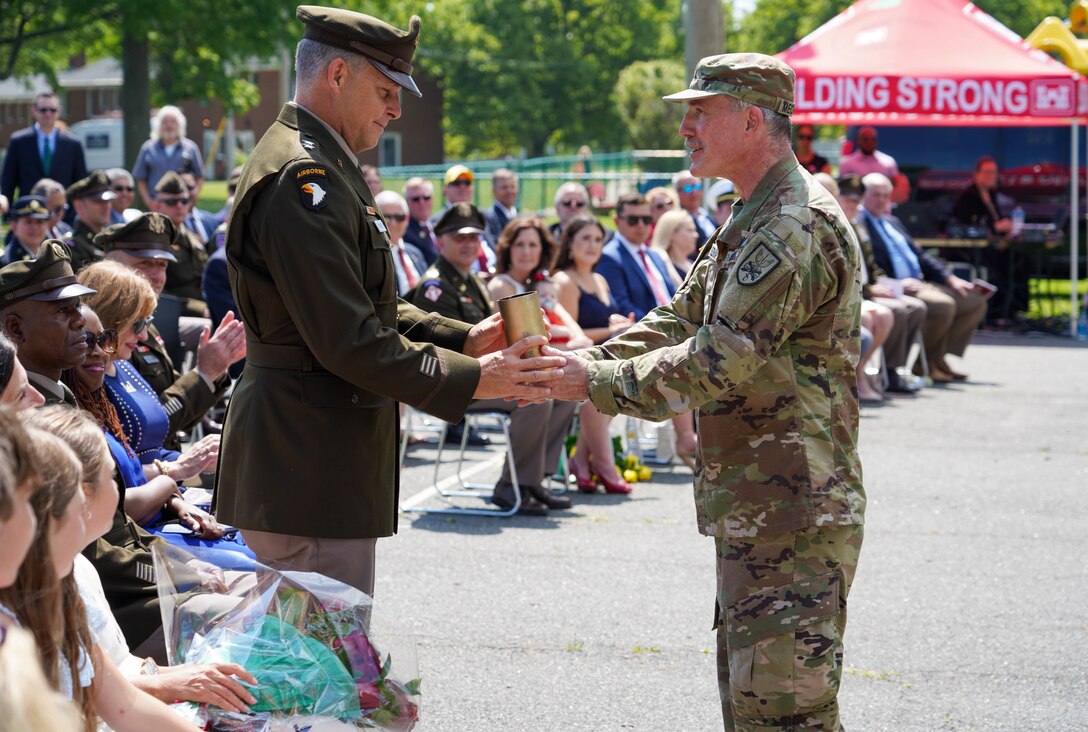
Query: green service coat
[{"x": 310, "y": 443}]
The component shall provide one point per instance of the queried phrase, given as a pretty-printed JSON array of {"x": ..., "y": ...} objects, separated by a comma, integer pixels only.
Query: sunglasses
[
  {"x": 461, "y": 183},
  {"x": 417, "y": 199},
  {"x": 395, "y": 217},
  {"x": 636, "y": 220},
  {"x": 48, "y": 110},
  {"x": 106, "y": 340},
  {"x": 58, "y": 209},
  {"x": 691, "y": 188},
  {"x": 141, "y": 325},
  {"x": 176, "y": 201},
  {"x": 573, "y": 204},
  {"x": 124, "y": 189},
  {"x": 804, "y": 137}
]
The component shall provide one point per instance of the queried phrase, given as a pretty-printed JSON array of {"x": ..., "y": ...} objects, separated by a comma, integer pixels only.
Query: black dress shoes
[
  {"x": 475, "y": 439},
  {"x": 503, "y": 497},
  {"x": 548, "y": 498}
]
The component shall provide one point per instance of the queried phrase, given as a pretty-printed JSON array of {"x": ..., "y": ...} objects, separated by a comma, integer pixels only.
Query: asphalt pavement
[{"x": 968, "y": 611}]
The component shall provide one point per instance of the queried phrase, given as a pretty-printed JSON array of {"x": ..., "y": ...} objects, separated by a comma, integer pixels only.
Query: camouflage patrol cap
[
  {"x": 46, "y": 278},
  {"x": 148, "y": 236},
  {"x": 752, "y": 77},
  {"x": 30, "y": 207},
  {"x": 389, "y": 49},
  {"x": 96, "y": 186},
  {"x": 171, "y": 184},
  {"x": 461, "y": 218}
]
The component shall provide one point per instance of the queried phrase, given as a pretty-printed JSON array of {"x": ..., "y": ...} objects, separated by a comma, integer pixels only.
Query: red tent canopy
[{"x": 928, "y": 62}]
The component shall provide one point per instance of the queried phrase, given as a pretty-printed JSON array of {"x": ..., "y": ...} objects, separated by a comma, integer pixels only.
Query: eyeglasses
[
  {"x": 141, "y": 325},
  {"x": 417, "y": 199},
  {"x": 573, "y": 204},
  {"x": 124, "y": 189},
  {"x": 691, "y": 188},
  {"x": 460, "y": 182},
  {"x": 662, "y": 206},
  {"x": 48, "y": 110},
  {"x": 636, "y": 220},
  {"x": 395, "y": 217},
  {"x": 106, "y": 340},
  {"x": 58, "y": 209},
  {"x": 183, "y": 201}
]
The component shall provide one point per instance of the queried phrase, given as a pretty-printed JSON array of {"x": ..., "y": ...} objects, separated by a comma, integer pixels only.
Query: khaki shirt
[{"x": 762, "y": 339}]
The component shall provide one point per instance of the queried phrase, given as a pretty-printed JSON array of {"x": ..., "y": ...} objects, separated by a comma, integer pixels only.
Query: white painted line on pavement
[{"x": 449, "y": 482}]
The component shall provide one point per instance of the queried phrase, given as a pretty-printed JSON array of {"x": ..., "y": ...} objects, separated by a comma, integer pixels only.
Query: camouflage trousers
[{"x": 780, "y": 621}]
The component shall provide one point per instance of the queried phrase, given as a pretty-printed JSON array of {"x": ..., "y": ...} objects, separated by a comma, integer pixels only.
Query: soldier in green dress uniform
[
  {"x": 308, "y": 466},
  {"x": 91, "y": 198},
  {"x": 762, "y": 340}
]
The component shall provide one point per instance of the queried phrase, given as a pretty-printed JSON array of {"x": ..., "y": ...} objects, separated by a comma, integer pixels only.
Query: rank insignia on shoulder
[
  {"x": 309, "y": 144},
  {"x": 759, "y": 263},
  {"x": 313, "y": 185},
  {"x": 432, "y": 293}
]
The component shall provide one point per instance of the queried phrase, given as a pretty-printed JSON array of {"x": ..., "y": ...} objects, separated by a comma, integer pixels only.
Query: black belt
[{"x": 289, "y": 358}]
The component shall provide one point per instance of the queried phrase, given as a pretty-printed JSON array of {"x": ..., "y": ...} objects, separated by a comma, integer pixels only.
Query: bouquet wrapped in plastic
[{"x": 305, "y": 637}]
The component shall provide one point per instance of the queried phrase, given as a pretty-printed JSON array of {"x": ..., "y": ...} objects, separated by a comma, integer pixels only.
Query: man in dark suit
[
  {"x": 42, "y": 151},
  {"x": 504, "y": 188},
  {"x": 419, "y": 193},
  {"x": 955, "y": 307},
  {"x": 329, "y": 343},
  {"x": 638, "y": 277}
]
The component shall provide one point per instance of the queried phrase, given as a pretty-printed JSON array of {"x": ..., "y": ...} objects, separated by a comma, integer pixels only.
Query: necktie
[
  {"x": 482, "y": 260},
  {"x": 409, "y": 270},
  {"x": 47, "y": 154},
  {"x": 660, "y": 295},
  {"x": 430, "y": 234}
]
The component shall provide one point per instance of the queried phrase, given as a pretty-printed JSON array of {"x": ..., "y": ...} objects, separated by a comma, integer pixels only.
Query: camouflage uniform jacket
[{"x": 762, "y": 338}]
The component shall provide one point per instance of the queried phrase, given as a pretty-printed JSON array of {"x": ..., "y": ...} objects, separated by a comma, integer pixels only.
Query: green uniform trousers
[{"x": 781, "y": 617}]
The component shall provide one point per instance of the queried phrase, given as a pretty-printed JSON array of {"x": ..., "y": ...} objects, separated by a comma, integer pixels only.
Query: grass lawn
[{"x": 1050, "y": 298}]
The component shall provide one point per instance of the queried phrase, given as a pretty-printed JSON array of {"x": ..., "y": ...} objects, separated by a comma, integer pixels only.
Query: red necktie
[
  {"x": 660, "y": 295},
  {"x": 409, "y": 270},
  {"x": 430, "y": 234}
]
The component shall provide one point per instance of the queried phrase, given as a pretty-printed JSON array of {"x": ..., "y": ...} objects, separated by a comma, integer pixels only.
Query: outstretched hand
[
  {"x": 487, "y": 336},
  {"x": 506, "y": 374},
  {"x": 570, "y": 386}
]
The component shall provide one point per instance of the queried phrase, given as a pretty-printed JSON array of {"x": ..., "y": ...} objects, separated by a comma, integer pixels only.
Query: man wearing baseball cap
[
  {"x": 40, "y": 313},
  {"x": 762, "y": 341},
  {"x": 308, "y": 467}
]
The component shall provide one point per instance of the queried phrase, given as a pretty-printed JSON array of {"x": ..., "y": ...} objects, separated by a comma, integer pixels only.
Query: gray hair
[
  {"x": 46, "y": 187},
  {"x": 168, "y": 110},
  {"x": 391, "y": 198},
  {"x": 418, "y": 182},
  {"x": 681, "y": 175},
  {"x": 116, "y": 174},
  {"x": 877, "y": 180},
  {"x": 571, "y": 187},
  {"x": 313, "y": 57},
  {"x": 778, "y": 125}
]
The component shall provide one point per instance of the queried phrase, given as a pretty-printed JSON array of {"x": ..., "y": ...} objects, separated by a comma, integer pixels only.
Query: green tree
[{"x": 651, "y": 123}]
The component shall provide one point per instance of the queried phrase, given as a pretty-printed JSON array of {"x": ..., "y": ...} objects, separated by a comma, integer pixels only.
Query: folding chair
[{"x": 465, "y": 489}]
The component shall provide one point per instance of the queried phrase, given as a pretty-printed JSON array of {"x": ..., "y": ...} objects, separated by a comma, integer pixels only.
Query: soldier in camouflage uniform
[{"x": 762, "y": 339}]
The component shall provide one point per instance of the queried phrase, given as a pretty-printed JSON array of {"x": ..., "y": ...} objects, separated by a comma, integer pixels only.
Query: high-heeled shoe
[
  {"x": 584, "y": 482},
  {"x": 609, "y": 487}
]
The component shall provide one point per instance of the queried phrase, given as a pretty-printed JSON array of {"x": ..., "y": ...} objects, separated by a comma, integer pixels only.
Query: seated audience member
[
  {"x": 190, "y": 255},
  {"x": 457, "y": 187},
  {"x": 91, "y": 198},
  {"x": 661, "y": 200},
  {"x": 45, "y": 601},
  {"x": 676, "y": 239},
  {"x": 41, "y": 315},
  {"x": 537, "y": 431},
  {"x": 223, "y": 214},
  {"x": 199, "y": 683},
  {"x": 523, "y": 249},
  {"x": 200, "y": 222},
  {"x": 981, "y": 204},
  {"x": 504, "y": 189},
  {"x": 56, "y": 199},
  {"x": 867, "y": 159},
  {"x": 571, "y": 199},
  {"x": 373, "y": 178},
  {"x": 908, "y": 313},
  {"x": 722, "y": 193},
  {"x": 637, "y": 276},
  {"x": 408, "y": 261},
  {"x": 123, "y": 186},
  {"x": 689, "y": 191},
  {"x": 806, "y": 156},
  {"x": 29, "y": 225},
  {"x": 27, "y": 702},
  {"x": 955, "y": 307},
  {"x": 419, "y": 192},
  {"x": 152, "y": 487},
  {"x": 16, "y": 391},
  {"x": 144, "y": 245}
]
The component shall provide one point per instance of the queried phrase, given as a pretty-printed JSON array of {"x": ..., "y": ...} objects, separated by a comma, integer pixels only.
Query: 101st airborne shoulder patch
[
  {"x": 313, "y": 186},
  {"x": 759, "y": 263}
]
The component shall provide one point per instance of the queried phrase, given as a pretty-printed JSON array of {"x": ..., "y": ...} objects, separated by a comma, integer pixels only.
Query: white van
[{"x": 103, "y": 142}]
